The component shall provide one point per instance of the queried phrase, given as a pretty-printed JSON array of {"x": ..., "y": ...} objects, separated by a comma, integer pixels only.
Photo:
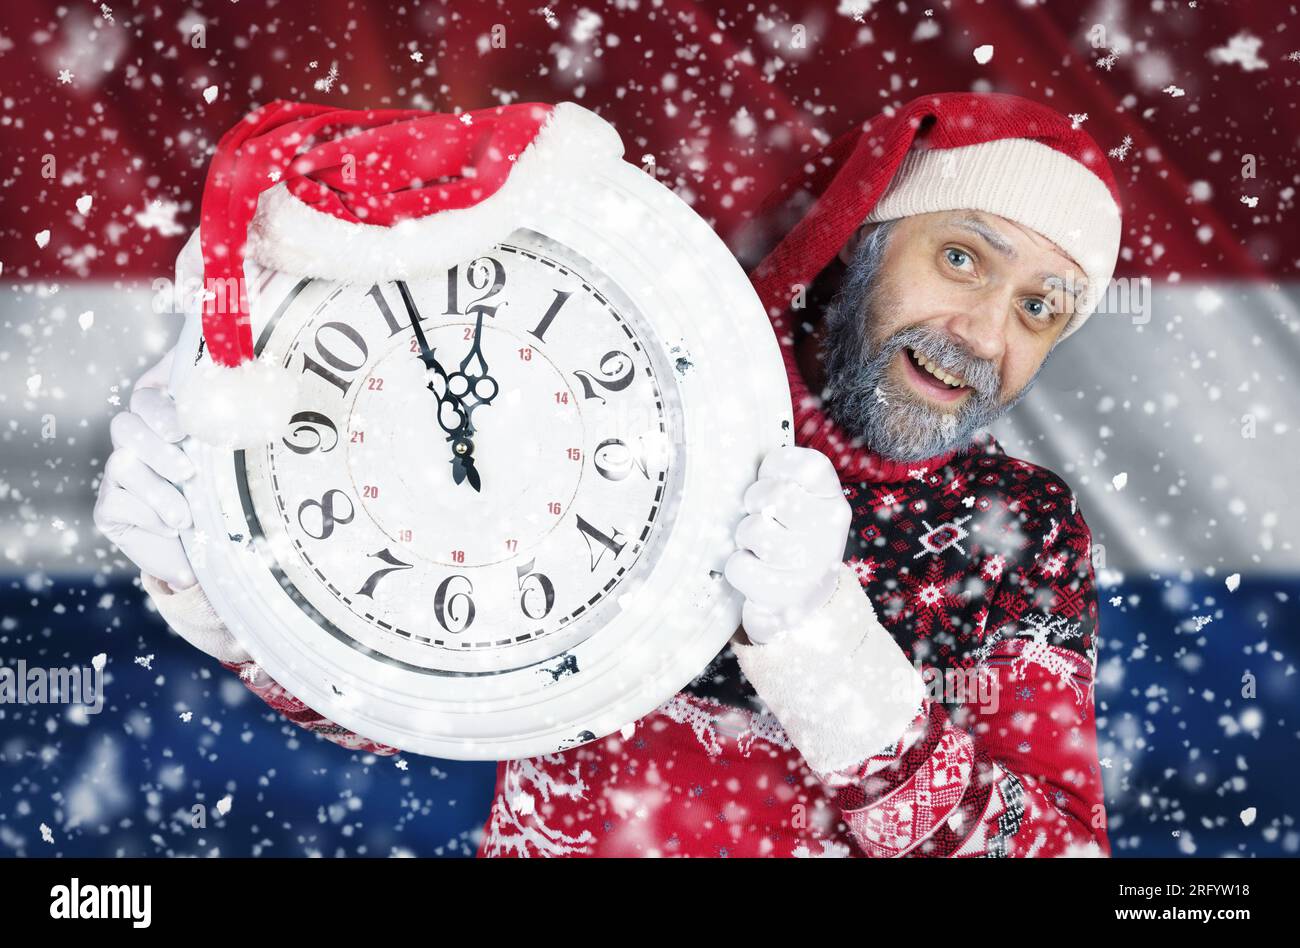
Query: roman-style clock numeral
[
  {"x": 329, "y": 516},
  {"x": 543, "y": 585},
  {"x": 590, "y": 533},
  {"x": 445, "y": 605},
  {"x": 394, "y": 327},
  {"x": 551, "y": 312},
  {"x": 334, "y": 359},
  {"x": 385, "y": 555},
  {"x": 618, "y": 372}
]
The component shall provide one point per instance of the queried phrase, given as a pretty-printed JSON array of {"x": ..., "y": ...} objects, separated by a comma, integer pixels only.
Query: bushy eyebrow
[
  {"x": 995, "y": 240},
  {"x": 991, "y": 237},
  {"x": 1053, "y": 282}
]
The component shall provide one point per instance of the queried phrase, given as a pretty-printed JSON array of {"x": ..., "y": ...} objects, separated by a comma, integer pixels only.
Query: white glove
[
  {"x": 837, "y": 681},
  {"x": 139, "y": 507},
  {"x": 834, "y": 678},
  {"x": 141, "y": 510},
  {"x": 792, "y": 543}
]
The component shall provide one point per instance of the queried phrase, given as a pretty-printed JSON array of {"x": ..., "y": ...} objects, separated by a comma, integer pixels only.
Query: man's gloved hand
[
  {"x": 792, "y": 543},
  {"x": 141, "y": 510},
  {"x": 833, "y": 677},
  {"x": 139, "y": 507}
]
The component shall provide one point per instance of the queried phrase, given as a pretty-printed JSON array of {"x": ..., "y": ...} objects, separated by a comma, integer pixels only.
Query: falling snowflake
[
  {"x": 1121, "y": 152},
  {"x": 856, "y": 10},
  {"x": 161, "y": 216},
  {"x": 326, "y": 83},
  {"x": 1243, "y": 50}
]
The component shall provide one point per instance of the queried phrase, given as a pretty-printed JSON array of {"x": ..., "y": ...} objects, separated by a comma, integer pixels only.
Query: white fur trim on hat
[
  {"x": 1024, "y": 181},
  {"x": 236, "y": 406},
  {"x": 292, "y": 237}
]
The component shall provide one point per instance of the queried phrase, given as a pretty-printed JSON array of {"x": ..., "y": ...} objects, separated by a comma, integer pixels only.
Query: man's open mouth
[{"x": 933, "y": 380}]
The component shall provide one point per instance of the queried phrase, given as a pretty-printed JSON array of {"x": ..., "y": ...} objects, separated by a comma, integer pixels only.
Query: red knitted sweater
[{"x": 979, "y": 566}]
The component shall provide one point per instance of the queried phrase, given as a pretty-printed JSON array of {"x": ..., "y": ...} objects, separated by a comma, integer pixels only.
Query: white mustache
[{"x": 981, "y": 375}]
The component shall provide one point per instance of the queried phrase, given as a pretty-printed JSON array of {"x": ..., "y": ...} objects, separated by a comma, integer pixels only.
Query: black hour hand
[
  {"x": 463, "y": 469},
  {"x": 452, "y": 416}
]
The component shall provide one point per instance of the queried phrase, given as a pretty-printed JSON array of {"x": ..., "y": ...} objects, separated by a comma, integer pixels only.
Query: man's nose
[{"x": 981, "y": 322}]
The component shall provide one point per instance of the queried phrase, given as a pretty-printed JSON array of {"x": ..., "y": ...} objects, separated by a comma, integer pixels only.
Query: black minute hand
[
  {"x": 426, "y": 354},
  {"x": 457, "y": 426}
]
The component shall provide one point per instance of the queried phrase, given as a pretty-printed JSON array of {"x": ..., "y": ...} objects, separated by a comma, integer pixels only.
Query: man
[{"x": 948, "y": 248}]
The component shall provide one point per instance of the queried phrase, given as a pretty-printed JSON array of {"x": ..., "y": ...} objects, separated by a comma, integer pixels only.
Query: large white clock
[{"x": 494, "y": 522}]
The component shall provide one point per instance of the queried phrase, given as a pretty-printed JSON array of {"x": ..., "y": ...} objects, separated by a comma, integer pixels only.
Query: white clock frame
[{"x": 691, "y": 290}]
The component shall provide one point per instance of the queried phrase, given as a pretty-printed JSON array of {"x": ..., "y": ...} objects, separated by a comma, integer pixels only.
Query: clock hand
[
  {"x": 426, "y": 354},
  {"x": 458, "y": 427},
  {"x": 480, "y": 386},
  {"x": 462, "y": 467}
]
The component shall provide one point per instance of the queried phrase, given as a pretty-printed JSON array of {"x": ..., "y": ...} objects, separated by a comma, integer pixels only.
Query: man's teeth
[{"x": 945, "y": 377}]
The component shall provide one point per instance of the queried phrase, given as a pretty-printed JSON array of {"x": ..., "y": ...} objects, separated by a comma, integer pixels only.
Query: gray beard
[{"x": 885, "y": 414}]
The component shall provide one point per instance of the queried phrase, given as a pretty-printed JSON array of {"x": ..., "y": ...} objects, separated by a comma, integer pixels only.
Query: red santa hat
[
  {"x": 992, "y": 152},
  {"x": 369, "y": 195}
]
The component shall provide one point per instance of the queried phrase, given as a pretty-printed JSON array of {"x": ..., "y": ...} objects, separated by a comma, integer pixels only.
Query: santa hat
[
  {"x": 370, "y": 195},
  {"x": 1003, "y": 154}
]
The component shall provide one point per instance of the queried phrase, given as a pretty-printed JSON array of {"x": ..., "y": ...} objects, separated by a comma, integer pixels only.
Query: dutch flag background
[{"x": 1172, "y": 414}]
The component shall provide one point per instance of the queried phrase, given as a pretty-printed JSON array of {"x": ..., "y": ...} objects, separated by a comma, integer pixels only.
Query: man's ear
[{"x": 851, "y": 245}]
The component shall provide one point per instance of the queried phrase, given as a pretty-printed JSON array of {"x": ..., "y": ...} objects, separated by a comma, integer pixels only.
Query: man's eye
[
  {"x": 957, "y": 257},
  {"x": 1037, "y": 308}
]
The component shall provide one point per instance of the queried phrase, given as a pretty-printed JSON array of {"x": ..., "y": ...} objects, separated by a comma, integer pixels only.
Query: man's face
[{"x": 942, "y": 327}]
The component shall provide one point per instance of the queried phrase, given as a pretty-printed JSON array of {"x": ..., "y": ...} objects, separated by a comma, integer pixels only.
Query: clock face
[{"x": 480, "y": 464}]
